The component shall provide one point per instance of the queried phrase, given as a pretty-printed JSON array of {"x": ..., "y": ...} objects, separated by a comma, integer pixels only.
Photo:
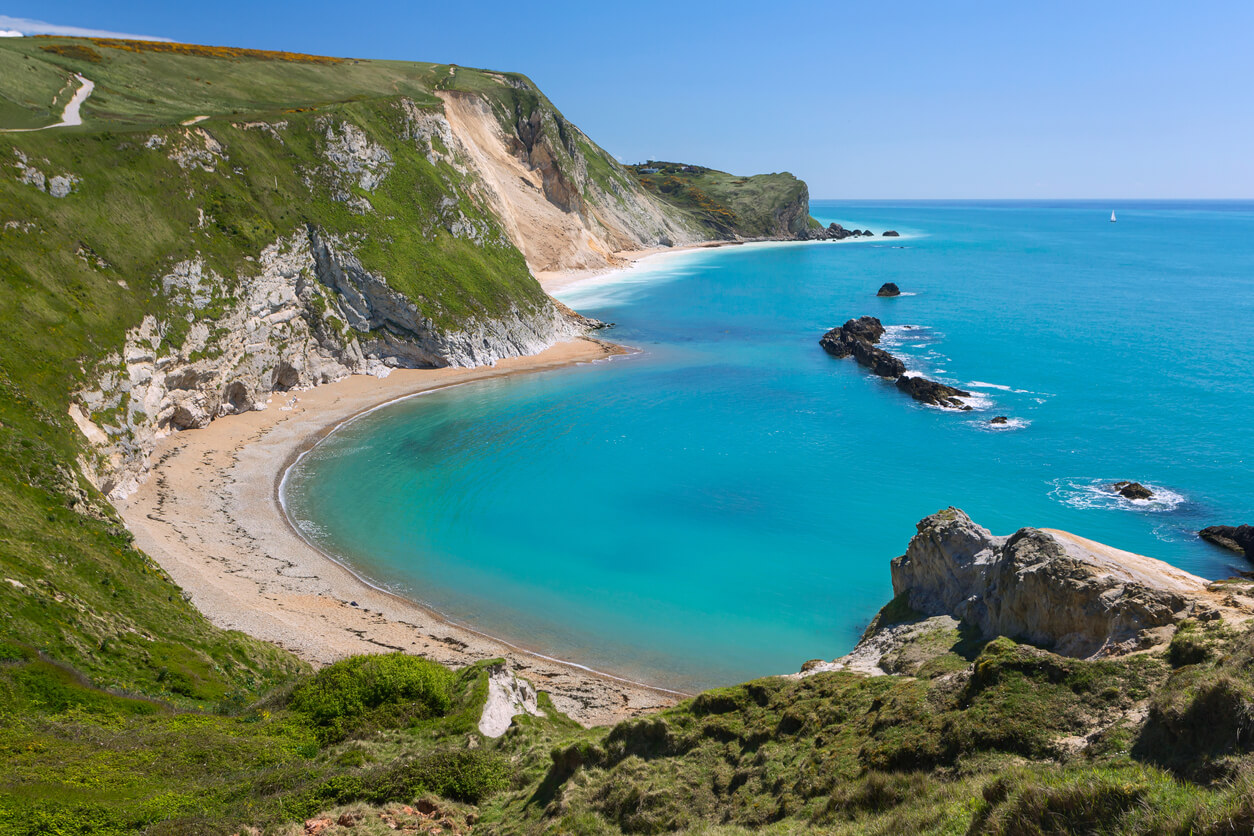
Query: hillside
[
  {"x": 761, "y": 206},
  {"x": 325, "y": 218},
  {"x": 332, "y": 216}
]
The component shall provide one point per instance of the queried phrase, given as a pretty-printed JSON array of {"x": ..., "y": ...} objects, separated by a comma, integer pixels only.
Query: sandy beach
[{"x": 209, "y": 515}]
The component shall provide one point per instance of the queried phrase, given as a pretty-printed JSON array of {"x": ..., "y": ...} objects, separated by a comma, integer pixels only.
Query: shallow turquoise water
[{"x": 725, "y": 504}]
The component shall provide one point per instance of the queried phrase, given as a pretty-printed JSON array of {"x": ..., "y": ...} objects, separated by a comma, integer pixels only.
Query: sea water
[{"x": 725, "y": 503}]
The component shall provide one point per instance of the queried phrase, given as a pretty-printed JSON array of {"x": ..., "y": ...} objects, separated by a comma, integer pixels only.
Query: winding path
[{"x": 70, "y": 116}]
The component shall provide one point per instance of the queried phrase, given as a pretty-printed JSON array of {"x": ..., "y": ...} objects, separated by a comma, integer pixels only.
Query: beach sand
[{"x": 209, "y": 515}]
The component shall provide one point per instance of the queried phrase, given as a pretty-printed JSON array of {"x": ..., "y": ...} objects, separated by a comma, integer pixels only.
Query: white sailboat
[{"x": 1112, "y": 218}]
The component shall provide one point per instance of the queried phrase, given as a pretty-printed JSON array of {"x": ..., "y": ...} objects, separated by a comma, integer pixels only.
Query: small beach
[{"x": 209, "y": 515}]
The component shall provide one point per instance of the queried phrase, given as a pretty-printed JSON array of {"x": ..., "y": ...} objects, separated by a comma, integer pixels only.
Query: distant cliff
[{"x": 728, "y": 206}]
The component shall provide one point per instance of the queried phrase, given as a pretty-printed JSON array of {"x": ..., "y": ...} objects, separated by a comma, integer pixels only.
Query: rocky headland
[
  {"x": 1059, "y": 592},
  {"x": 1237, "y": 538},
  {"x": 857, "y": 338}
]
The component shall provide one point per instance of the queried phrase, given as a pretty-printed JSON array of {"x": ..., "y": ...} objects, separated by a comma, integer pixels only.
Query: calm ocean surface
[{"x": 725, "y": 505}]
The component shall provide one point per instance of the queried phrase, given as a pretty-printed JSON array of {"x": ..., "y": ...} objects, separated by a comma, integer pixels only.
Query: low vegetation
[
  {"x": 123, "y": 710},
  {"x": 761, "y": 206}
]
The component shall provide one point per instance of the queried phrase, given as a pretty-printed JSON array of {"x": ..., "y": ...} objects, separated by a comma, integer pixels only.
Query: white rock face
[
  {"x": 508, "y": 696},
  {"x": 313, "y": 315}
]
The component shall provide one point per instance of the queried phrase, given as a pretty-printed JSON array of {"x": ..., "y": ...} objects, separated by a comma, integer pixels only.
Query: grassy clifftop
[{"x": 759, "y": 206}]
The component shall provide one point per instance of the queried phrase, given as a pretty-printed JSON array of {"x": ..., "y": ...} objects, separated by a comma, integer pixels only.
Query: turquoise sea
[{"x": 725, "y": 504}]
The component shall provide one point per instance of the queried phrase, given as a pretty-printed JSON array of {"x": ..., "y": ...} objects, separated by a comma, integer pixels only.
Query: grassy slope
[
  {"x": 77, "y": 272},
  {"x": 728, "y": 205},
  {"x": 981, "y": 738}
]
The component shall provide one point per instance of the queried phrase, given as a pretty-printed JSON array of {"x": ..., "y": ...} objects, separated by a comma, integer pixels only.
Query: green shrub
[
  {"x": 364, "y": 693},
  {"x": 468, "y": 775}
]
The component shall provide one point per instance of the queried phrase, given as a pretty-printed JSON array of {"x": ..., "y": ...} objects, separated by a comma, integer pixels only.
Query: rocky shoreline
[
  {"x": 1049, "y": 588},
  {"x": 857, "y": 338}
]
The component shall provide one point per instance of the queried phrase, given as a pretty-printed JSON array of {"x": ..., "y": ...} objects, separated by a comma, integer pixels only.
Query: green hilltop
[{"x": 123, "y": 710}]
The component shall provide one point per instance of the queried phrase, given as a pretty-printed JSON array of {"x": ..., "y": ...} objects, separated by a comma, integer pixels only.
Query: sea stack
[{"x": 889, "y": 289}]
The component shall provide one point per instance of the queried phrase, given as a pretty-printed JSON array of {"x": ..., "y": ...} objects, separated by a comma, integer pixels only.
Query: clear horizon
[{"x": 966, "y": 101}]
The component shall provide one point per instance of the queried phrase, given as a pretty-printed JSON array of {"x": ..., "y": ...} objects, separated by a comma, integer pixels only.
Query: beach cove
[{"x": 730, "y": 497}]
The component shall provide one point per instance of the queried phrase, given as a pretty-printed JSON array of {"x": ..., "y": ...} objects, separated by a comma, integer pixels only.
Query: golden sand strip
[{"x": 209, "y": 515}]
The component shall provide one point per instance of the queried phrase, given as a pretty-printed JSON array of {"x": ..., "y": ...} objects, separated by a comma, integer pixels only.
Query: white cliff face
[
  {"x": 508, "y": 696},
  {"x": 311, "y": 315}
]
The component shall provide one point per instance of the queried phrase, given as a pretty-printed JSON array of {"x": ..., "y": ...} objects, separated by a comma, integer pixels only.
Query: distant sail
[{"x": 1112, "y": 218}]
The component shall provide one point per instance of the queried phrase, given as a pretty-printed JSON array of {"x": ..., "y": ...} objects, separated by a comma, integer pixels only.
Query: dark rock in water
[
  {"x": 866, "y": 233},
  {"x": 1000, "y": 419},
  {"x": 857, "y": 338},
  {"x": 833, "y": 232},
  {"x": 890, "y": 233},
  {"x": 838, "y": 341},
  {"x": 1132, "y": 490},
  {"x": 931, "y": 392},
  {"x": 889, "y": 289},
  {"x": 1238, "y": 538},
  {"x": 879, "y": 361}
]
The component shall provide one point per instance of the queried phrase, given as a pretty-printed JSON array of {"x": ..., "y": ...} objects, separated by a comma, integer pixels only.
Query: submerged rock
[
  {"x": 1238, "y": 538},
  {"x": 928, "y": 391},
  {"x": 1055, "y": 590},
  {"x": 1132, "y": 490},
  {"x": 1000, "y": 419},
  {"x": 888, "y": 289}
]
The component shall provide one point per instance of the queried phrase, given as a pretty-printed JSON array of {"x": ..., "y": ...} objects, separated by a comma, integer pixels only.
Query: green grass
[
  {"x": 761, "y": 206},
  {"x": 123, "y": 710}
]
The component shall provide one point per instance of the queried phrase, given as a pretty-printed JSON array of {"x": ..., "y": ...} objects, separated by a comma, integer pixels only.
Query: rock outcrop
[
  {"x": 932, "y": 393},
  {"x": 1052, "y": 589},
  {"x": 1238, "y": 538},
  {"x": 508, "y": 696},
  {"x": 999, "y": 419},
  {"x": 312, "y": 315},
  {"x": 857, "y": 338},
  {"x": 833, "y": 232},
  {"x": 888, "y": 289},
  {"x": 890, "y": 233},
  {"x": 1132, "y": 490}
]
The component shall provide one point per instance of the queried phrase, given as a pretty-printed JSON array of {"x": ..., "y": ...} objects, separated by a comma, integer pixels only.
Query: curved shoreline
[
  {"x": 294, "y": 459},
  {"x": 209, "y": 514}
]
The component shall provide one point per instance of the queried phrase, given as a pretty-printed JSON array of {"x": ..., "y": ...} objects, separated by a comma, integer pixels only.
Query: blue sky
[{"x": 862, "y": 100}]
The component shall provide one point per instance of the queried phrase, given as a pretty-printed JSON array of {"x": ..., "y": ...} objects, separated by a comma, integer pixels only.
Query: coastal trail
[{"x": 71, "y": 115}]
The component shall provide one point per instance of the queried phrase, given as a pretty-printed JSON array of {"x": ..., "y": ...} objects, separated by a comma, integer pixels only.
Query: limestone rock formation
[
  {"x": 508, "y": 696},
  {"x": 1132, "y": 490},
  {"x": 888, "y": 289},
  {"x": 1055, "y": 590},
  {"x": 930, "y": 392},
  {"x": 313, "y": 315},
  {"x": 1238, "y": 538}
]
